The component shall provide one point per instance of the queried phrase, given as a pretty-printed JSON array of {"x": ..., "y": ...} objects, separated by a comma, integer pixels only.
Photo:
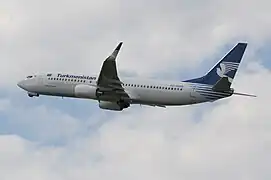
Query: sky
[{"x": 52, "y": 138}]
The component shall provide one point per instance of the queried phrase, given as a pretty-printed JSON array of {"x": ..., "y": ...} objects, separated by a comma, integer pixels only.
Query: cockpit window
[
  {"x": 28, "y": 77},
  {"x": 49, "y": 74}
]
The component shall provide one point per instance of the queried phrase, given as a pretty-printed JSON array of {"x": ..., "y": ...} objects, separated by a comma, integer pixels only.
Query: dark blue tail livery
[{"x": 227, "y": 67}]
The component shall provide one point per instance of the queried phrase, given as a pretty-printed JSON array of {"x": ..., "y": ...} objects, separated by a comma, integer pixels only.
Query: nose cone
[{"x": 21, "y": 84}]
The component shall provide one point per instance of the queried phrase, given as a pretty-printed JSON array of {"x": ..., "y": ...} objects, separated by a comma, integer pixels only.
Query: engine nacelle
[
  {"x": 85, "y": 91},
  {"x": 110, "y": 105}
]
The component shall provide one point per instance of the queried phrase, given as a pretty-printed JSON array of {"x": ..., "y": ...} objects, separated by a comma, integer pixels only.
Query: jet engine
[
  {"x": 116, "y": 106},
  {"x": 85, "y": 91}
]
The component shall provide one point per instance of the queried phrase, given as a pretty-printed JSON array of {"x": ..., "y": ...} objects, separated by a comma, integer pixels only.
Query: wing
[{"x": 108, "y": 83}]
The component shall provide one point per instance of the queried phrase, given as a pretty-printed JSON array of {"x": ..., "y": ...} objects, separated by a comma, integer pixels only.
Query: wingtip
[
  {"x": 119, "y": 46},
  {"x": 116, "y": 51}
]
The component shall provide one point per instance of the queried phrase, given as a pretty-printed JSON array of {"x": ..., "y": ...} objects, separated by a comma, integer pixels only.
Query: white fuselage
[{"x": 148, "y": 92}]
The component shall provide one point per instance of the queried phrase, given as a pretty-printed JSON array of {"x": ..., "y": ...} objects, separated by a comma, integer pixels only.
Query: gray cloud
[
  {"x": 76, "y": 37},
  {"x": 226, "y": 140}
]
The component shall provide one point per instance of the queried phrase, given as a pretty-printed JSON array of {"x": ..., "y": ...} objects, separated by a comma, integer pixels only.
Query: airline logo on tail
[{"x": 225, "y": 68}]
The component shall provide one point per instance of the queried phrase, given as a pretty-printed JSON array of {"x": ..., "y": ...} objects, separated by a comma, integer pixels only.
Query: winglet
[{"x": 116, "y": 51}]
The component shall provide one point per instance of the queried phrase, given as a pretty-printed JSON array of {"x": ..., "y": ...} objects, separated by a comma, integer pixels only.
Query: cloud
[
  {"x": 77, "y": 37},
  {"x": 229, "y": 139},
  {"x": 39, "y": 123},
  {"x": 4, "y": 104}
]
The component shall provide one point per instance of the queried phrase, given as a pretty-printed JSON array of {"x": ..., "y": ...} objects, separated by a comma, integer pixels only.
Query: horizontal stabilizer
[
  {"x": 222, "y": 85},
  {"x": 242, "y": 94}
]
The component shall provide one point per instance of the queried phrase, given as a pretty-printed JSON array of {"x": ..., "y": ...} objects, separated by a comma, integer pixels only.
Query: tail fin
[{"x": 225, "y": 68}]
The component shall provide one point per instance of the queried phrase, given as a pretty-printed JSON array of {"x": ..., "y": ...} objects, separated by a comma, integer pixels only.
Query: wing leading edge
[{"x": 109, "y": 84}]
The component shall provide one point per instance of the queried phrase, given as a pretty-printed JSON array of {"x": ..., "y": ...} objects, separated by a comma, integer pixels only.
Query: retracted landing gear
[{"x": 30, "y": 94}]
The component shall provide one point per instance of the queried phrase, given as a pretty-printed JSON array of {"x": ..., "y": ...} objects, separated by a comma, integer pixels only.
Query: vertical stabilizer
[{"x": 224, "y": 71}]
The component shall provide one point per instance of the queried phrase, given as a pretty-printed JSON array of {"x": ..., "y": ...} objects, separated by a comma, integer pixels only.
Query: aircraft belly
[
  {"x": 66, "y": 90},
  {"x": 164, "y": 97}
]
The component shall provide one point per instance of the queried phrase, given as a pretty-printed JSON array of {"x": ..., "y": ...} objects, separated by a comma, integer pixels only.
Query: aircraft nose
[{"x": 21, "y": 84}]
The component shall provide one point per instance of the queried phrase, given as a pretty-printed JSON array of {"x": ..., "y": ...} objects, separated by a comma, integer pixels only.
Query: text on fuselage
[{"x": 76, "y": 76}]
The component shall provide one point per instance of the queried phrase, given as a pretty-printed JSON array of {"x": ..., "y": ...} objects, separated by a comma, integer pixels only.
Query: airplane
[{"x": 115, "y": 93}]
